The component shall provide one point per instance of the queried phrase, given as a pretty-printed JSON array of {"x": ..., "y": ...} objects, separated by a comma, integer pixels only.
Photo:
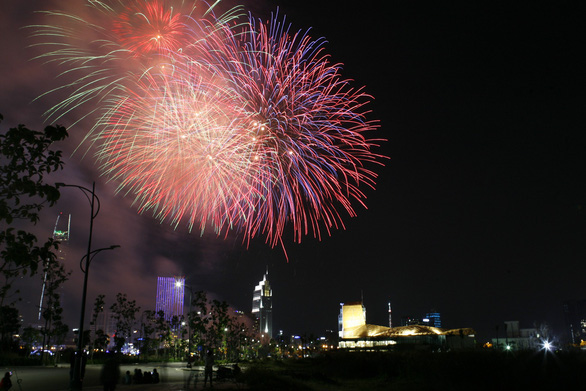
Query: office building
[
  {"x": 433, "y": 319},
  {"x": 575, "y": 320},
  {"x": 170, "y": 296},
  {"x": 262, "y": 306}
]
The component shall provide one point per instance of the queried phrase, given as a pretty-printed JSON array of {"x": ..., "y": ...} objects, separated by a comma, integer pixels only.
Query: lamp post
[{"x": 76, "y": 382}]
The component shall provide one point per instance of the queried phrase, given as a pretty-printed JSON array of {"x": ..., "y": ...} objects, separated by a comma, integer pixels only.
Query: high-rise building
[
  {"x": 575, "y": 320},
  {"x": 60, "y": 233},
  {"x": 262, "y": 306},
  {"x": 433, "y": 319},
  {"x": 170, "y": 296}
]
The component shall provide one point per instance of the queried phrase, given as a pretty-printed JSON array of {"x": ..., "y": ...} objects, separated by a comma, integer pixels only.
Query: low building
[{"x": 357, "y": 335}]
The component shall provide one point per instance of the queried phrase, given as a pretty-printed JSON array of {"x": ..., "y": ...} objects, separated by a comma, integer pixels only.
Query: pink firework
[
  {"x": 247, "y": 128},
  {"x": 180, "y": 150},
  {"x": 311, "y": 146}
]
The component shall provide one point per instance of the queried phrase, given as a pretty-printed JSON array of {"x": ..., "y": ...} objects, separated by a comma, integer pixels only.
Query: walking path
[{"x": 171, "y": 387}]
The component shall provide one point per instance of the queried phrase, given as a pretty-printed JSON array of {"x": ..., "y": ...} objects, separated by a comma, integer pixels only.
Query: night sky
[{"x": 478, "y": 213}]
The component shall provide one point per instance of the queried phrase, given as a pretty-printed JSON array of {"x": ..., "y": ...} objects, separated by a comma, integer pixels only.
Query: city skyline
[{"x": 479, "y": 213}]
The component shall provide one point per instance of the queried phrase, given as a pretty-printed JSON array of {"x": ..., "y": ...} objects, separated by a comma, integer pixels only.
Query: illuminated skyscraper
[
  {"x": 262, "y": 306},
  {"x": 170, "y": 294},
  {"x": 60, "y": 233}
]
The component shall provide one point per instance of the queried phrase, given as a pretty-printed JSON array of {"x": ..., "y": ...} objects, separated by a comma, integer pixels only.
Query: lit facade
[
  {"x": 433, "y": 319},
  {"x": 351, "y": 316},
  {"x": 262, "y": 306},
  {"x": 170, "y": 296},
  {"x": 356, "y": 334}
]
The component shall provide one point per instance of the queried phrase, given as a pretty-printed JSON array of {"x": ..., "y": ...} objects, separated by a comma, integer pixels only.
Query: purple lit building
[{"x": 170, "y": 296}]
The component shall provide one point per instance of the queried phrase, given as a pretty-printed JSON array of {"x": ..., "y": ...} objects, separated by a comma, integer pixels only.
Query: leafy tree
[
  {"x": 198, "y": 318},
  {"x": 217, "y": 332},
  {"x": 98, "y": 309},
  {"x": 124, "y": 312},
  {"x": 9, "y": 325},
  {"x": 148, "y": 326},
  {"x": 163, "y": 330},
  {"x": 30, "y": 336},
  {"x": 25, "y": 158},
  {"x": 101, "y": 340},
  {"x": 237, "y": 338},
  {"x": 212, "y": 325}
]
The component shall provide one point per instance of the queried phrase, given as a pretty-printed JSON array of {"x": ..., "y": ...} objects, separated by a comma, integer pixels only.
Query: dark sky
[{"x": 478, "y": 214}]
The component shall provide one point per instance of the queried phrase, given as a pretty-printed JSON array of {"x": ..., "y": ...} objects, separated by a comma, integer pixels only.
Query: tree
[
  {"x": 30, "y": 337},
  {"x": 98, "y": 309},
  {"x": 101, "y": 340},
  {"x": 212, "y": 325},
  {"x": 163, "y": 330},
  {"x": 148, "y": 326},
  {"x": 25, "y": 158},
  {"x": 218, "y": 330},
  {"x": 55, "y": 277},
  {"x": 198, "y": 318},
  {"x": 124, "y": 312},
  {"x": 9, "y": 325}
]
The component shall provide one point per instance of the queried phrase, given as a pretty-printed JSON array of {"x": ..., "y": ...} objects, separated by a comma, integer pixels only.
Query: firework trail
[
  {"x": 234, "y": 127},
  {"x": 310, "y": 143},
  {"x": 180, "y": 149},
  {"x": 105, "y": 47}
]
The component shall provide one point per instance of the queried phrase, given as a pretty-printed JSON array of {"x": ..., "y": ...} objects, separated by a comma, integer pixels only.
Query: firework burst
[
  {"x": 180, "y": 149},
  {"x": 107, "y": 46},
  {"x": 235, "y": 127},
  {"x": 312, "y": 152}
]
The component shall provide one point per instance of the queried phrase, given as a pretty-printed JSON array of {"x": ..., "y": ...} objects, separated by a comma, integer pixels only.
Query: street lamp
[{"x": 76, "y": 382}]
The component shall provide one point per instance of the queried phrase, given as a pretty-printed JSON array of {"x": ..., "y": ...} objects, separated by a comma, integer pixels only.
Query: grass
[{"x": 410, "y": 371}]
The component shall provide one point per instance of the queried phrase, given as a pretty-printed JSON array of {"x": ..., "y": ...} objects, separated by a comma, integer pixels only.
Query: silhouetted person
[
  {"x": 137, "y": 378},
  {"x": 147, "y": 378},
  {"x": 155, "y": 376},
  {"x": 209, "y": 367},
  {"x": 236, "y": 371},
  {"x": 110, "y": 374},
  {"x": 6, "y": 383},
  {"x": 127, "y": 378}
]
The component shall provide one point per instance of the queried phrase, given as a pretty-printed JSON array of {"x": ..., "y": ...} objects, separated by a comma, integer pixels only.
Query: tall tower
[
  {"x": 60, "y": 233},
  {"x": 390, "y": 316},
  {"x": 262, "y": 306},
  {"x": 170, "y": 294}
]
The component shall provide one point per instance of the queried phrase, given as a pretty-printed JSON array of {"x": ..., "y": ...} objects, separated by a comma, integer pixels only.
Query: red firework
[{"x": 146, "y": 28}]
